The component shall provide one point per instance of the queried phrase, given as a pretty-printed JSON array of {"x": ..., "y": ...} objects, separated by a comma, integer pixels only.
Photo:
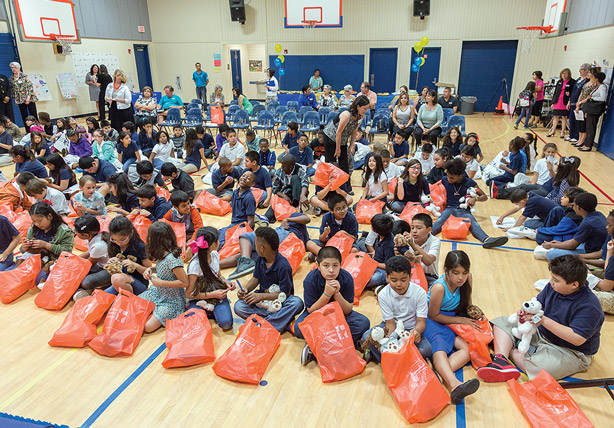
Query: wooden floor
[{"x": 77, "y": 387}]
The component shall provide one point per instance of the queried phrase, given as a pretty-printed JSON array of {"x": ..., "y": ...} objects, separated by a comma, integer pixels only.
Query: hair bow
[{"x": 199, "y": 243}]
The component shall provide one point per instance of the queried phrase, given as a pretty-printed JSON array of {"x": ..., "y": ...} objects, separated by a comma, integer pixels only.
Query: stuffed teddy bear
[
  {"x": 524, "y": 331},
  {"x": 474, "y": 313},
  {"x": 427, "y": 201},
  {"x": 116, "y": 265},
  {"x": 392, "y": 343},
  {"x": 471, "y": 193},
  {"x": 208, "y": 304},
  {"x": 402, "y": 241},
  {"x": 273, "y": 306}
]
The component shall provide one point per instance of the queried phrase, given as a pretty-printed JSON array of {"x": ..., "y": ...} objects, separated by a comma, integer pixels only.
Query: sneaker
[
  {"x": 492, "y": 242},
  {"x": 312, "y": 258},
  {"x": 567, "y": 139},
  {"x": 494, "y": 190},
  {"x": 244, "y": 266},
  {"x": 500, "y": 370},
  {"x": 463, "y": 390},
  {"x": 40, "y": 285},
  {"x": 515, "y": 126},
  {"x": 317, "y": 211},
  {"x": 307, "y": 356},
  {"x": 80, "y": 294},
  {"x": 351, "y": 193},
  {"x": 379, "y": 288},
  {"x": 573, "y": 140}
]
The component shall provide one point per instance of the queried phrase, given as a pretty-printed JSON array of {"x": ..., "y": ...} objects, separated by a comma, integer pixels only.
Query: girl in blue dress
[{"x": 449, "y": 298}]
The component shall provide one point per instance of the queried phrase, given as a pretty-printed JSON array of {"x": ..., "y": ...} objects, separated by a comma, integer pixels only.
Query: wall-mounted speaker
[
  {"x": 422, "y": 8},
  {"x": 237, "y": 11}
]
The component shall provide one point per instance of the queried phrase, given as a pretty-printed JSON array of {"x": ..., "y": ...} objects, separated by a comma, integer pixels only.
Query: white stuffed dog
[
  {"x": 273, "y": 305},
  {"x": 471, "y": 193},
  {"x": 430, "y": 206},
  {"x": 524, "y": 331}
]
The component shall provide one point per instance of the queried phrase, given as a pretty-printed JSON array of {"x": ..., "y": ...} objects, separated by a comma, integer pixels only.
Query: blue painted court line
[
  {"x": 313, "y": 227},
  {"x": 454, "y": 245},
  {"x": 461, "y": 422},
  {"x": 111, "y": 398}
]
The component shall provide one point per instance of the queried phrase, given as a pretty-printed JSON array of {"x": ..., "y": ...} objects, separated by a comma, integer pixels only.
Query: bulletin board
[{"x": 83, "y": 62}]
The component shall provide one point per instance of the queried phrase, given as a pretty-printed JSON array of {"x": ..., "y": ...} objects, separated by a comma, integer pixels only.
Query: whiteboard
[{"x": 83, "y": 62}]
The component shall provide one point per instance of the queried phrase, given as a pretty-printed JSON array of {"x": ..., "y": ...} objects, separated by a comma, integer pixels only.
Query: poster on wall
[
  {"x": 255, "y": 65},
  {"x": 83, "y": 62},
  {"x": 132, "y": 82},
  {"x": 68, "y": 85},
  {"x": 41, "y": 89},
  {"x": 217, "y": 63},
  {"x": 178, "y": 85}
]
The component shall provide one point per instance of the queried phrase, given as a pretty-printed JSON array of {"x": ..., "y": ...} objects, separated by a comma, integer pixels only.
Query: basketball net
[
  {"x": 309, "y": 24},
  {"x": 528, "y": 35},
  {"x": 65, "y": 41}
]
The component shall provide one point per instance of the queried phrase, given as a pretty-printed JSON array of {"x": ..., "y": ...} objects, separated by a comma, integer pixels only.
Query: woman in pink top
[
  {"x": 536, "y": 110},
  {"x": 561, "y": 99}
]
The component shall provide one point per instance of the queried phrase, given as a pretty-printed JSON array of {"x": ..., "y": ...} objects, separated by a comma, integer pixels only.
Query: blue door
[
  {"x": 606, "y": 135},
  {"x": 235, "y": 66},
  {"x": 483, "y": 67},
  {"x": 428, "y": 74},
  {"x": 382, "y": 70},
  {"x": 141, "y": 56},
  {"x": 8, "y": 54}
]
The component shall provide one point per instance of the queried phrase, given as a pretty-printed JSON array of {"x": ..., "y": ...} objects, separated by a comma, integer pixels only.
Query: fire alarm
[
  {"x": 565, "y": 48},
  {"x": 129, "y": 51},
  {"x": 141, "y": 28},
  {"x": 285, "y": 51}
]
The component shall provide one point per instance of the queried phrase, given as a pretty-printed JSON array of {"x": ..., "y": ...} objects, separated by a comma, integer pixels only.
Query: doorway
[
  {"x": 428, "y": 74},
  {"x": 143, "y": 69},
  {"x": 235, "y": 65},
  {"x": 383, "y": 69}
]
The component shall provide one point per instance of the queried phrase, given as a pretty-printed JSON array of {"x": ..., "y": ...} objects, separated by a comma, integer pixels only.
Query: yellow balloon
[
  {"x": 422, "y": 62},
  {"x": 282, "y": 58},
  {"x": 278, "y": 48},
  {"x": 424, "y": 41},
  {"x": 418, "y": 47}
]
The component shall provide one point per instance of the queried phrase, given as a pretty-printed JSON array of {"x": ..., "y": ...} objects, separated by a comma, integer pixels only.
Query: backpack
[
  {"x": 524, "y": 98},
  {"x": 382, "y": 125}
]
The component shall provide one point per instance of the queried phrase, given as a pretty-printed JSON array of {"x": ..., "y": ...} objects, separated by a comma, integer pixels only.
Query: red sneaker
[{"x": 500, "y": 370}]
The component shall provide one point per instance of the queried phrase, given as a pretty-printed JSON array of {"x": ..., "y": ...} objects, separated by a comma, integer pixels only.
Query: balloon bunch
[
  {"x": 419, "y": 60},
  {"x": 279, "y": 60}
]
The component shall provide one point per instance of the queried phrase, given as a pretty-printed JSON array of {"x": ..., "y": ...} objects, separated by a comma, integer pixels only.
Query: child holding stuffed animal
[
  {"x": 330, "y": 283},
  {"x": 207, "y": 288},
  {"x": 449, "y": 300},
  {"x": 425, "y": 245},
  {"x": 410, "y": 187},
  {"x": 87, "y": 228},
  {"x": 567, "y": 334},
  {"x": 401, "y": 300},
  {"x": 274, "y": 300},
  {"x": 383, "y": 247},
  {"x": 517, "y": 164}
]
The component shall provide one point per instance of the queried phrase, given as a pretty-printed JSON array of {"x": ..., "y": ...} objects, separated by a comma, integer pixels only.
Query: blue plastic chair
[
  {"x": 288, "y": 117},
  {"x": 373, "y": 130},
  {"x": 292, "y": 106},
  {"x": 383, "y": 111},
  {"x": 279, "y": 112},
  {"x": 173, "y": 117},
  {"x": 241, "y": 120},
  {"x": 266, "y": 122},
  {"x": 254, "y": 102},
  {"x": 193, "y": 106},
  {"x": 311, "y": 122},
  {"x": 234, "y": 102},
  {"x": 447, "y": 114},
  {"x": 208, "y": 113},
  {"x": 196, "y": 101},
  {"x": 256, "y": 112},
  {"x": 231, "y": 112},
  {"x": 324, "y": 112},
  {"x": 273, "y": 105},
  {"x": 342, "y": 109},
  {"x": 301, "y": 113},
  {"x": 366, "y": 121},
  {"x": 457, "y": 121},
  {"x": 194, "y": 118}
]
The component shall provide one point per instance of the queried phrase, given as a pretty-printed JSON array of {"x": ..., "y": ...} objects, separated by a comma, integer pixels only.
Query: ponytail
[{"x": 209, "y": 281}]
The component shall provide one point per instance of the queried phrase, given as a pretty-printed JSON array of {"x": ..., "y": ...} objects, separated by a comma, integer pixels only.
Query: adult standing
[
  {"x": 120, "y": 98},
  {"x": 573, "y": 100},
  {"x": 562, "y": 92},
  {"x": 536, "y": 110},
  {"x": 145, "y": 106},
  {"x": 22, "y": 91},
  {"x": 104, "y": 81},
  {"x": 593, "y": 108},
  {"x": 217, "y": 97},
  {"x": 447, "y": 100},
  {"x": 91, "y": 80},
  {"x": 6, "y": 107},
  {"x": 315, "y": 81},
  {"x": 430, "y": 118},
  {"x": 201, "y": 80},
  {"x": 272, "y": 86},
  {"x": 365, "y": 89}
]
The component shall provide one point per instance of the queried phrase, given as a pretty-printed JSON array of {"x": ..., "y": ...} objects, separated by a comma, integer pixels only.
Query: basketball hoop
[
  {"x": 65, "y": 41},
  {"x": 309, "y": 24},
  {"x": 528, "y": 35}
]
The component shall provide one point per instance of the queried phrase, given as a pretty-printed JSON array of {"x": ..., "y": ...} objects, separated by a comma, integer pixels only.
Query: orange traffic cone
[{"x": 499, "y": 109}]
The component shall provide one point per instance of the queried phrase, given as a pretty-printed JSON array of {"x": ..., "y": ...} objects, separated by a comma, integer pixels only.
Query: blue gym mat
[{"x": 12, "y": 421}]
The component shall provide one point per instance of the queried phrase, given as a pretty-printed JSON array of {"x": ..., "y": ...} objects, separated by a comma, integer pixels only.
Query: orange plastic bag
[
  {"x": 362, "y": 267},
  {"x": 22, "y": 223},
  {"x": 292, "y": 249},
  {"x": 163, "y": 193},
  {"x": 248, "y": 357},
  {"x": 478, "y": 341},
  {"x": 328, "y": 174},
  {"x": 14, "y": 283},
  {"x": 438, "y": 194},
  {"x": 123, "y": 326},
  {"x": 141, "y": 224},
  {"x": 217, "y": 115},
  {"x": 413, "y": 384},
  {"x": 62, "y": 282},
  {"x": 410, "y": 210},
  {"x": 330, "y": 340},
  {"x": 456, "y": 227},
  {"x": 211, "y": 204},
  {"x": 342, "y": 242},
  {"x": 365, "y": 210},
  {"x": 257, "y": 194},
  {"x": 282, "y": 208},
  {"x": 418, "y": 277},
  {"x": 231, "y": 243},
  {"x": 546, "y": 404},
  {"x": 189, "y": 339},
  {"x": 79, "y": 327},
  {"x": 392, "y": 186},
  {"x": 7, "y": 212}
]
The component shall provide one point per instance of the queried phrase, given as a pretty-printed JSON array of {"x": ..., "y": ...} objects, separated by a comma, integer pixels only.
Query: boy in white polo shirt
[
  {"x": 233, "y": 150},
  {"x": 426, "y": 245},
  {"x": 401, "y": 300}
]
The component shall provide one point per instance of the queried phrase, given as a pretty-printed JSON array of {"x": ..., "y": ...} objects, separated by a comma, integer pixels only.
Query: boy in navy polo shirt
[
  {"x": 568, "y": 333},
  {"x": 271, "y": 269},
  {"x": 399, "y": 149},
  {"x": 532, "y": 205},
  {"x": 100, "y": 170},
  {"x": 304, "y": 155},
  {"x": 9, "y": 240},
  {"x": 383, "y": 247},
  {"x": 267, "y": 157},
  {"x": 150, "y": 204},
  {"x": 591, "y": 234},
  {"x": 208, "y": 142},
  {"x": 243, "y": 203},
  {"x": 329, "y": 283},
  {"x": 456, "y": 186},
  {"x": 291, "y": 138},
  {"x": 223, "y": 179},
  {"x": 262, "y": 178},
  {"x": 338, "y": 219}
]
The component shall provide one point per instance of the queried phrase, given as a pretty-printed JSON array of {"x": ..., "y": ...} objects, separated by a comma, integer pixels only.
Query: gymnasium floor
[{"x": 77, "y": 387}]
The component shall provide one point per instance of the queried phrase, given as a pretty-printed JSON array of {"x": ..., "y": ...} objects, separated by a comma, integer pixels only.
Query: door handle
[
  {"x": 434, "y": 80},
  {"x": 373, "y": 80}
]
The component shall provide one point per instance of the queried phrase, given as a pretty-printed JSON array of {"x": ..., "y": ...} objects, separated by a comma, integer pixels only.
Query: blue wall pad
[{"x": 12, "y": 421}]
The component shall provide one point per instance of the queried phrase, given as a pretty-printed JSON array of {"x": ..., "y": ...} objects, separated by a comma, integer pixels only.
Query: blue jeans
[
  {"x": 475, "y": 228},
  {"x": 357, "y": 322},
  {"x": 500, "y": 181},
  {"x": 127, "y": 164},
  {"x": 378, "y": 278},
  {"x": 280, "y": 319},
  {"x": 8, "y": 264},
  {"x": 157, "y": 163},
  {"x": 221, "y": 313},
  {"x": 423, "y": 346},
  {"x": 526, "y": 113},
  {"x": 137, "y": 287},
  {"x": 557, "y": 252},
  {"x": 398, "y": 206},
  {"x": 533, "y": 223}
]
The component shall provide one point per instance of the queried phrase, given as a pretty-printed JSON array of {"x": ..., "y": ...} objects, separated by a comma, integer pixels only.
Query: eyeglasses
[
  {"x": 415, "y": 167},
  {"x": 340, "y": 210}
]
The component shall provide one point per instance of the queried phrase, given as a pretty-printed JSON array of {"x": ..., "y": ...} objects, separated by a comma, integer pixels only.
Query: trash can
[{"x": 467, "y": 104}]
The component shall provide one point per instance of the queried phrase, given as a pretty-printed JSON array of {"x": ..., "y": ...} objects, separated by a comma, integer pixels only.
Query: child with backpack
[{"x": 525, "y": 100}]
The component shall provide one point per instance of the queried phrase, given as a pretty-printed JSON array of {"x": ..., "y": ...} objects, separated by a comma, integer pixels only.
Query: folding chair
[
  {"x": 287, "y": 117},
  {"x": 234, "y": 102},
  {"x": 173, "y": 117},
  {"x": 301, "y": 113},
  {"x": 457, "y": 121},
  {"x": 447, "y": 114},
  {"x": 373, "y": 130},
  {"x": 255, "y": 112},
  {"x": 366, "y": 121},
  {"x": 279, "y": 112},
  {"x": 232, "y": 109},
  {"x": 273, "y": 105},
  {"x": 324, "y": 112}
]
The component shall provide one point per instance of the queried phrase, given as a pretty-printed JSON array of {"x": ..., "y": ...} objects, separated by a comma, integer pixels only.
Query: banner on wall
[
  {"x": 83, "y": 61},
  {"x": 217, "y": 63},
  {"x": 68, "y": 85},
  {"x": 41, "y": 89}
]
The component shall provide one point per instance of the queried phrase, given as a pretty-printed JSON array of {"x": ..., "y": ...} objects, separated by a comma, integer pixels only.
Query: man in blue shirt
[
  {"x": 100, "y": 169},
  {"x": 201, "y": 80},
  {"x": 307, "y": 98},
  {"x": 168, "y": 100}
]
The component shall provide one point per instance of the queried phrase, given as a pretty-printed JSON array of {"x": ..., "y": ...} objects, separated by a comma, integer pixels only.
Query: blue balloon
[
  {"x": 415, "y": 67},
  {"x": 282, "y": 71},
  {"x": 418, "y": 61},
  {"x": 277, "y": 62}
]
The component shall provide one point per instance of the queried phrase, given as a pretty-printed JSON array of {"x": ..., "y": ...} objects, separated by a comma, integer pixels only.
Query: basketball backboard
[
  {"x": 322, "y": 13},
  {"x": 41, "y": 20},
  {"x": 552, "y": 15}
]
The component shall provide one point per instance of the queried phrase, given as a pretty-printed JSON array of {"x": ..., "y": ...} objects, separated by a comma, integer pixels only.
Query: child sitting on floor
[
  {"x": 290, "y": 182},
  {"x": 262, "y": 176},
  {"x": 472, "y": 167},
  {"x": 410, "y": 187},
  {"x": 425, "y": 245},
  {"x": 376, "y": 183},
  {"x": 473, "y": 140},
  {"x": 144, "y": 173},
  {"x": 233, "y": 150},
  {"x": 252, "y": 140},
  {"x": 163, "y": 151},
  {"x": 38, "y": 190},
  {"x": 532, "y": 205},
  {"x": 223, "y": 179},
  {"x": 267, "y": 157},
  {"x": 291, "y": 138},
  {"x": 183, "y": 212},
  {"x": 303, "y": 155},
  {"x": 13, "y": 193},
  {"x": 208, "y": 142},
  {"x": 391, "y": 169},
  {"x": 399, "y": 149},
  {"x": 317, "y": 146},
  {"x": 440, "y": 157},
  {"x": 128, "y": 152},
  {"x": 425, "y": 156},
  {"x": 88, "y": 200},
  {"x": 383, "y": 248},
  {"x": 178, "y": 140},
  {"x": 9, "y": 240},
  {"x": 87, "y": 228},
  {"x": 180, "y": 180},
  {"x": 151, "y": 205},
  {"x": 110, "y": 133}
]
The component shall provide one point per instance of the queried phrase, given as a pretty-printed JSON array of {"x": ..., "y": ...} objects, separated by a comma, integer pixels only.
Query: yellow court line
[
  {"x": 507, "y": 129},
  {"x": 36, "y": 379}
]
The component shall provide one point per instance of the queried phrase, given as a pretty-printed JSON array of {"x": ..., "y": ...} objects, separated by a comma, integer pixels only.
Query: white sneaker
[
  {"x": 540, "y": 253},
  {"x": 40, "y": 285},
  {"x": 573, "y": 140},
  {"x": 80, "y": 294}
]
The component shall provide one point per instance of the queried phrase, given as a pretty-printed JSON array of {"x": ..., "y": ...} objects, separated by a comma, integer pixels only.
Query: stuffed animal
[
  {"x": 524, "y": 331},
  {"x": 273, "y": 306},
  {"x": 401, "y": 242},
  {"x": 427, "y": 201},
  {"x": 115, "y": 266},
  {"x": 208, "y": 304},
  {"x": 474, "y": 312},
  {"x": 471, "y": 193},
  {"x": 387, "y": 343}
]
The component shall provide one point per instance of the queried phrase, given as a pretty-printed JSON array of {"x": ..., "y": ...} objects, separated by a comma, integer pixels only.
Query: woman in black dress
[{"x": 104, "y": 79}]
